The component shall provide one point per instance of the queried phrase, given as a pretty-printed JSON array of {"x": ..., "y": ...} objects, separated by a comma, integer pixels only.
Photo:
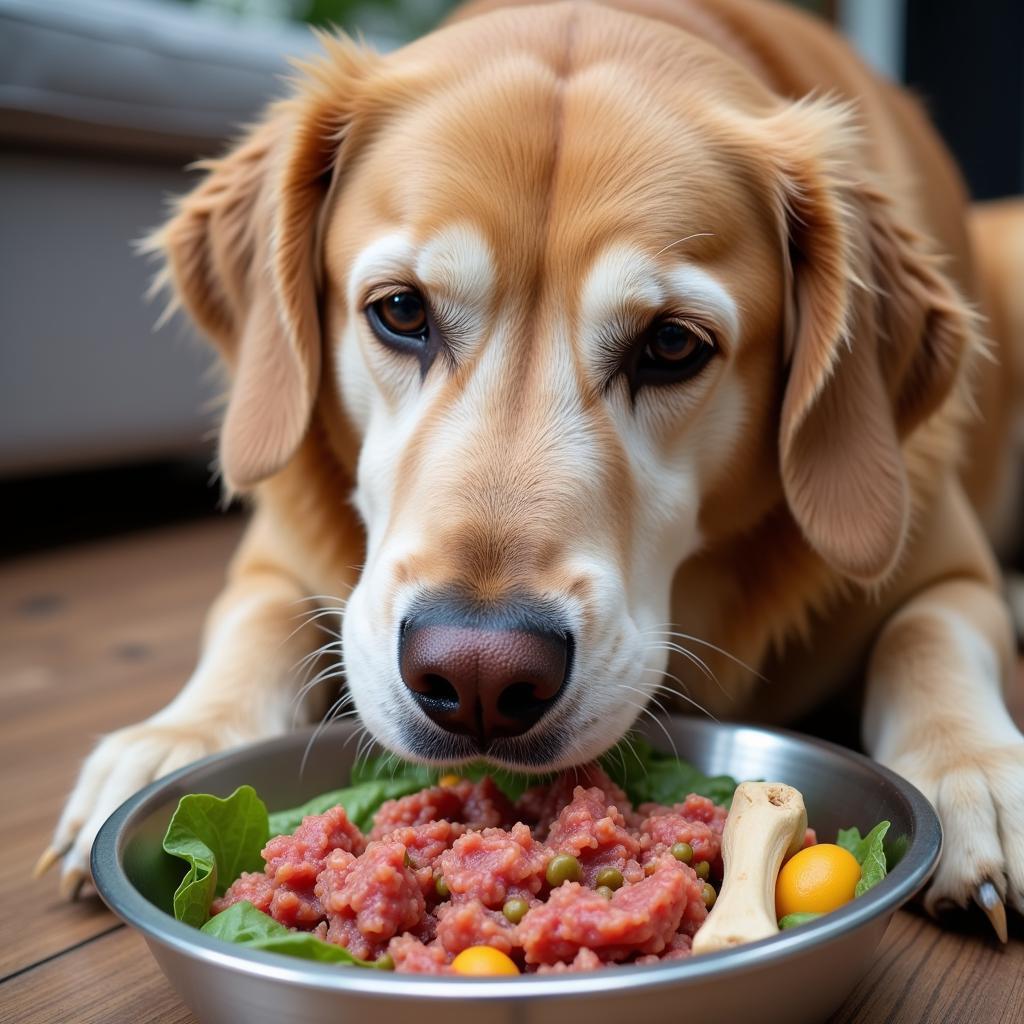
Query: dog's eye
[
  {"x": 671, "y": 350},
  {"x": 402, "y": 315}
]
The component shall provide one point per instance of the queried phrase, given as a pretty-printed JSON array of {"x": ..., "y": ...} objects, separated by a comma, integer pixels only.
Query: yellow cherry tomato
[
  {"x": 449, "y": 780},
  {"x": 816, "y": 880},
  {"x": 483, "y": 960}
]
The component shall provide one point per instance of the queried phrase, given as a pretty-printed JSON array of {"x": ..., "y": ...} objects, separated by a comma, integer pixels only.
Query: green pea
[
  {"x": 563, "y": 867},
  {"x": 683, "y": 852},
  {"x": 384, "y": 963},
  {"x": 515, "y": 909},
  {"x": 709, "y": 895},
  {"x": 441, "y": 887},
  {"x": 703, "y": 869},
  {"x": 606, "y": 891},
  {"x": 609, "y": 878}
]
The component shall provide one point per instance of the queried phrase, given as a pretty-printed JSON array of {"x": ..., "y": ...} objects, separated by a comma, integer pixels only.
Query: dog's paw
[
  {"x": 980, "y": 801},
  {"x": 121, "y": 764}
]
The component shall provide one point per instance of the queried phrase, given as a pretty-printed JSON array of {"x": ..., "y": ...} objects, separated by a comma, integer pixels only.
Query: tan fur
[{"x": 826, "y": 444}]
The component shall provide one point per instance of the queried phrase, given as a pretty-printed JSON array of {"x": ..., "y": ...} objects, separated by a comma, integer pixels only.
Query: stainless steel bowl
[{"x": 799, "y": 976}]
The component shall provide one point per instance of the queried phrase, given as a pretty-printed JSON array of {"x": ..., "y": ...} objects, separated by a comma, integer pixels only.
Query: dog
[{"x": 586, "y": 356}]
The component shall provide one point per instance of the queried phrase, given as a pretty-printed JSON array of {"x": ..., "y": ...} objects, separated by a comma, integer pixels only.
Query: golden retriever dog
[{"x": 584, "y": 355}]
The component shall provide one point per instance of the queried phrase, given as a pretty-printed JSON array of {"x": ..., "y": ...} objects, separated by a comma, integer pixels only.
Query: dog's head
[{"x": 588, "y": 299}]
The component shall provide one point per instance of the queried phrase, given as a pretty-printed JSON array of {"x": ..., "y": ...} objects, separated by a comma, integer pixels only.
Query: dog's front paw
[
  {"x": 979, "y": 797},
  {"x": 121, "y": 764}
]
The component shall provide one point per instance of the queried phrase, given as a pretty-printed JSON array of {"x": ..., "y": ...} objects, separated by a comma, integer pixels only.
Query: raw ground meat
[
  {"x": 697, "y": 821},
  {"x": 432, "y": 877},
  {"x": 595, "y": 832},
  {"x": 494, "y": 864},
  {"x": 639, "y": 918},
  {"x": 286, "y": 889},
  {"x": 541, "y": 805},
  {"x": 585, "y": 960},
  {"x": 415, "y": 957},
  {"x": 474, "y": 804},
  {"x": 370, "y": 899},
  {"x": 465, "y": 923}
]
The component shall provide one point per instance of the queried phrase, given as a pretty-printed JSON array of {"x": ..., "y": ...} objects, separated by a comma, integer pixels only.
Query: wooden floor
[{"x": 101, "y": 635}]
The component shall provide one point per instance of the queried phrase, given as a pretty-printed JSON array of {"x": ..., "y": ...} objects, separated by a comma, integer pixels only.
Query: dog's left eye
[
  {"x": 670, "y": 351},
  {"x": 399, "y": 318}
]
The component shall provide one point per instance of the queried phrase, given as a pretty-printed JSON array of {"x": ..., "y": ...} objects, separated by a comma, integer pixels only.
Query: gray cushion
[{"x": 137, "y": 73}]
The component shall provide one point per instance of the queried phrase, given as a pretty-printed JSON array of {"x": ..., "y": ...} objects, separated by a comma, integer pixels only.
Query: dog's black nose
[{"x": 484, "y": 674}]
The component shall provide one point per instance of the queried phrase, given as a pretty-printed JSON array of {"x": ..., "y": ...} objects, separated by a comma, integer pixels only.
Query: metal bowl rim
[{"x": 906, "y": 879}]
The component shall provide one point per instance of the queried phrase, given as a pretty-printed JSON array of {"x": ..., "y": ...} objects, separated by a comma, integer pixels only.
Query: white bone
[{"x": 767, "y": 821}]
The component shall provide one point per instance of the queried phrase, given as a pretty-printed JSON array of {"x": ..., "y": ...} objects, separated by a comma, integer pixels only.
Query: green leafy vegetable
[
  {"x": 219, "y": 839},
  {"x": 386, "y": 778},
  {"x": 870, "y": 854},
  {"x": 795, "y": 920},
  {"x": 896, "y": 850},
  {"x": 512, "y": 784},
  {"x": 244, "y": 925},
  {"x": 360, "y": 801},
  {"x": 649, "y": 776}
]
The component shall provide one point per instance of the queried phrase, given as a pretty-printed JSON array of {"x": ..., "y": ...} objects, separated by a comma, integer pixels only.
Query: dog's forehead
[{"x": 549, "y": 170}]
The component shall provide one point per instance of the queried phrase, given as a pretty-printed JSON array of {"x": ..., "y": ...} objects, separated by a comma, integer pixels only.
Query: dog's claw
[
  {"x": 49, "y": 857},
  {"x": 71, "y": 884},
  {"x": 988, "y": 899}
]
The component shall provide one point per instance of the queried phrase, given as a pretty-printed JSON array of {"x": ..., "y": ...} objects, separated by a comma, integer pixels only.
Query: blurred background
[{"x": 106, "y": 425}]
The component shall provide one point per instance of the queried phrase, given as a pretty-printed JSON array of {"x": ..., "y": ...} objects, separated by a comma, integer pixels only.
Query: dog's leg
[
  {"x": 935, "y": 713},
  {"x": 241, "y": 690}
]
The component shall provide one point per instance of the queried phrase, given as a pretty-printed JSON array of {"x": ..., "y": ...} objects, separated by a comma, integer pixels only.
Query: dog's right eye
[{"x": 400, "y": 319}]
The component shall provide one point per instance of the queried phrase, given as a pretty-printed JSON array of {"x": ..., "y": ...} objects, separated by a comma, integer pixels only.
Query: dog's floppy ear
[
  {"x": 875, "y": 343},
  {"x": 241, "y": 255}
]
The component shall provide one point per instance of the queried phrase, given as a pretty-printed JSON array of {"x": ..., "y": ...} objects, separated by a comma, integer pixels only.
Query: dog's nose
[{"x": 484, "y": 677}]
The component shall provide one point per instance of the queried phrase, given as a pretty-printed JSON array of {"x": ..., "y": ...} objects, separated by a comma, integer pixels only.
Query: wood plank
[
  {"x": 108, "y": 980},
  {"x": 925, "y": 974},
  {"x": 90, "y": 639}
]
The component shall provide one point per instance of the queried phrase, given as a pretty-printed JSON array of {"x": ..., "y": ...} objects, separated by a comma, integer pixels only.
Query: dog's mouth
[{"x": 534, "y": 753}]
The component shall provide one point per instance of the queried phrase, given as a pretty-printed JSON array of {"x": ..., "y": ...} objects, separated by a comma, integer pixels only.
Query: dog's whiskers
[
  {"x": 704, "y": 668},
  {"x": 644, "y": 710},
  {"x": 335, "y": 671},
  {"x": 324, "y": 597},
  {"x": 308, "y": 618},
  {"x": 654, "y": 718},
  {"x": 670, "y": 632},
  {"x": 681, "y": 693},
  {"x": 313, "y": 655},
  {"x": 665, "y": 645},
  {"x": 626, "y": 740},
  {"x": 333, "y": 713},
  {"x": 364, "y": 748}
]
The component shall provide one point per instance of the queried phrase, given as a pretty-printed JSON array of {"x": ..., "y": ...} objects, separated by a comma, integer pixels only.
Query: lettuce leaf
[
  {"x": 512, "y": 784},
  {"x": 219, "y": 839},
  {"x": 388, "y": 767},
  {"x": 360, "y": 801},
  {"x": 244, "y": 925},
  {"x": 870, "y": 854},
  {"x": 795, "y": 920},
  {"x": 649, "y": 776}
]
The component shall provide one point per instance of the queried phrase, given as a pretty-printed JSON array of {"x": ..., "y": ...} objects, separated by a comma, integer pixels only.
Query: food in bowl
[{"x": 472, "y": 873}]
